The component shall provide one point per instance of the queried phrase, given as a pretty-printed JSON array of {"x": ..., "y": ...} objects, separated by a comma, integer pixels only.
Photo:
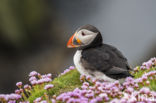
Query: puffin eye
[{"x": 83, "y": 34}]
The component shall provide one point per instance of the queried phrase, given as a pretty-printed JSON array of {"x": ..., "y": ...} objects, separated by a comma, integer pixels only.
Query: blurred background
[{"x": 34, "y": 33}]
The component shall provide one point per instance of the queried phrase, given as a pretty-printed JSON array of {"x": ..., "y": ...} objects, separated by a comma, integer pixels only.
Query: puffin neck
[{"x": 96, "y": 42}]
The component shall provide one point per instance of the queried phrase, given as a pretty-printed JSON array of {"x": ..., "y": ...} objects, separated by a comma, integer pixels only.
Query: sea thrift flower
[
  {"x": 93, "y": 101},
  {"x": 88, "y": 77},
  {"x": 38, "y": 100},
  {"x": 94, "y": 80},
  {"x": 82, "y": 78},
  {"x": 144, "y": 77},
  {"x": 49, "y": 75},
  {"x": 99, "y": 99},
  {"x": 53, "y": 100},
  {"x": 129, "y": 90},
  {"x": 71, "y": 100},
  {"x": 21, "y": 90},
  {"x": 86, "y": 83},
  {"x": 33, "y": 73},
  {"x": 147, "y": 82},
  {"x": 44, "y": 101},
  {"x": 145, "y": 90},
  {"x": 115, "y": 101},
  {"x": 12, "y": 96},
  {"x": 71, "y": 67},
  {"x": 17, "y": 91},
  {"x": 32, "y": 78},
  {"x": 12, "y": 101},
  {"x": 89, "y": 95},
  {"x": 47, "y": 80},
  {"x": 19, "y": 84},
  {"x": 39, "y": 75},
  {"x": 34, "y": 82},
  {"x": 40, "y": 81},
  {"x": 27, "y": 87},
  {"x": 48, "y": 86},
  {"x": 67, "y": 70},
  {"x": 25, "y": 102},
  {"x": 3, "y": 97},
  {"x": 84, "y": 87},
  {"x": 135, "y": 69}
]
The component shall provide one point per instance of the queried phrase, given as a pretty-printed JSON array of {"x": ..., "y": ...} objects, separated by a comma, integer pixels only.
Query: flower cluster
[
  {"x": 24, "y": 91},
  {"x": 67, "y": 70},
  {"x": 10, "y": 97},
  {"x": 132, "y": 90},
  {"x": 95, "y": 91},
  {"x": 146, "y": 65},
  {"x": 48, "y": 86},
  {"x": 37, "y": 79}
]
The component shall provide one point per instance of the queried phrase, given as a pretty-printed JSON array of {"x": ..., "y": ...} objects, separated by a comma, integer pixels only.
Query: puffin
[{"x": 97, "y": 59}]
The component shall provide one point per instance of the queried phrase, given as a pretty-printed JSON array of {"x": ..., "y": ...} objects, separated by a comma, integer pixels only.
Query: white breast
[{"x": 78, "y": 64}]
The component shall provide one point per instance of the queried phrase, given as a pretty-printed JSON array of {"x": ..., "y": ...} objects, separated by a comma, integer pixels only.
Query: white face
[{"x": 85, "y": 36}]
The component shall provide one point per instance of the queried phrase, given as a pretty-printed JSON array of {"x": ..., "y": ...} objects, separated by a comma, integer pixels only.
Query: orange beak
[{"x": 73, "y": 42}]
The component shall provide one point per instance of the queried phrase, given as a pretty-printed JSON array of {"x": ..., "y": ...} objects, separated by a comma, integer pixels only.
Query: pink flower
[
  {"x": 48, "y": 86},
  {"x": 19, "y": 84},
  {"x": 38, "y": 99},
  {"x": 33, "y": 73}
]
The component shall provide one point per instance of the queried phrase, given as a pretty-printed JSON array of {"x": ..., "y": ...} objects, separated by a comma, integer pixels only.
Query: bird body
[
  {"x": 84, "y": 71},
  {"x": 101, "y": 61}
]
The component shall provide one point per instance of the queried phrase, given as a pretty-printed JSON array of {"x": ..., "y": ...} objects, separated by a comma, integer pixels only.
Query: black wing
[{"x": 106, "y": 59}]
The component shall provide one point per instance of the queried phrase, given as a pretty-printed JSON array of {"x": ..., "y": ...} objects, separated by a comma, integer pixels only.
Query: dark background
[{"x": 34, "y": 33}]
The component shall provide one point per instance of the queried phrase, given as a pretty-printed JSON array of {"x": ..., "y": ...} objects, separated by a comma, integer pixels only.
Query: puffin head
[{"x": 86, "y": 36}]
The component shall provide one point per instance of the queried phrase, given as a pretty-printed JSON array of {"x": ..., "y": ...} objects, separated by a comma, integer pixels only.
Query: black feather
[{"x": 106, "y": 59}]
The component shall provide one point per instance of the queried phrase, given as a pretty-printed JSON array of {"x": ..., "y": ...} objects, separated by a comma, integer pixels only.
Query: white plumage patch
[
  {"x": 78, "y": 64},
  {"x": 83, "y": 71}
]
